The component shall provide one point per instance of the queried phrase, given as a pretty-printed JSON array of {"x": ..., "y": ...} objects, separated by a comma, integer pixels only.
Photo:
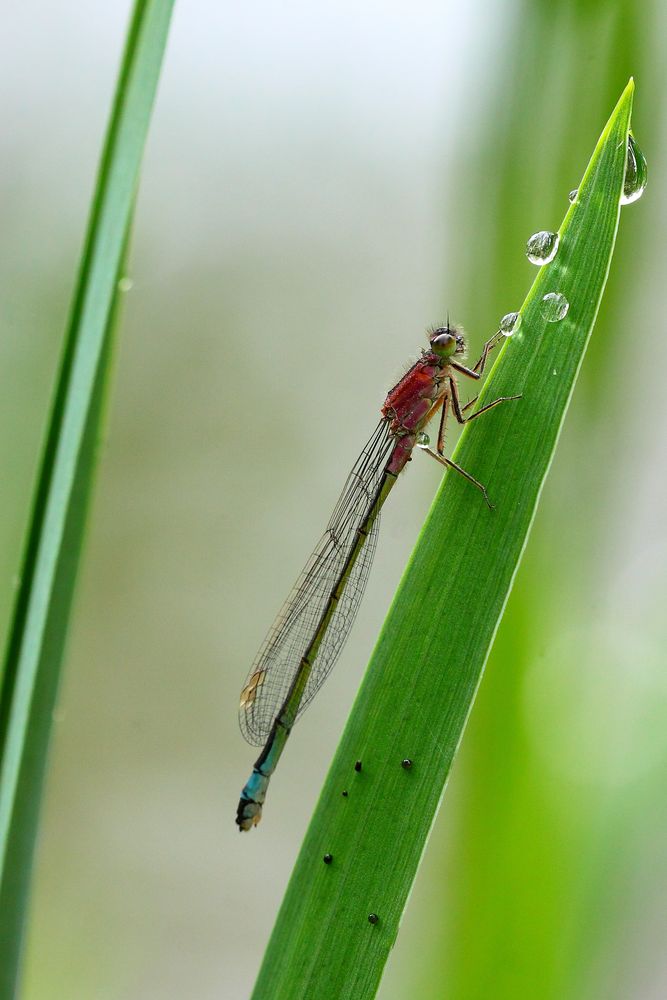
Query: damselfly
[{"x": 310, "y": 631}]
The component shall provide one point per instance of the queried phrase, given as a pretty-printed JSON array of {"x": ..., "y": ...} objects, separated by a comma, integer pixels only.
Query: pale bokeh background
[{"x": 320, "y": 184}]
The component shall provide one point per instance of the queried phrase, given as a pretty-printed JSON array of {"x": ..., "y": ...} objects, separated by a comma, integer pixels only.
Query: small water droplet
[
  {"x": 345, "y": 793},
  {"x": 406, "y": 763},
  {"x": 554, "y": 372},
  {"x": 373, "y": 918},
  {"x": 357, "y": 766},
  {"x": 636, "y": 173},
  {"x": 572, "y": 196},
  {"x": 554, "y": 307},
  {"x": 328, "y": 858},
  {"x": 423, "y": 440},
  {"x": 510, "y": 323},
  {"x": 542, "y": 247},
  {"x": 125, "y": 284}
]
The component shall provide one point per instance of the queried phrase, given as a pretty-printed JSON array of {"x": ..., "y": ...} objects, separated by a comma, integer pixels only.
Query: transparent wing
[{"x": 277, "y": 662}]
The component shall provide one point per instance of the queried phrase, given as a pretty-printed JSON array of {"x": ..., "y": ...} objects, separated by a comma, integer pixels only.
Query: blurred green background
[{"x": 322, "y": 183}]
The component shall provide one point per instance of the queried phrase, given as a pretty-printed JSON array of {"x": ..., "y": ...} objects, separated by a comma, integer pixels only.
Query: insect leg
[
  {"x": 443, "y": 424},
  {"x": 458, "y": 412},
  {"x": 486, "y": 350},
  {"x": 462, "y": 472}
]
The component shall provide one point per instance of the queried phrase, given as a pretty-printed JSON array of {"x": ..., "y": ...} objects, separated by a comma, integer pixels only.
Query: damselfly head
[{"x": 446, "y": 341}]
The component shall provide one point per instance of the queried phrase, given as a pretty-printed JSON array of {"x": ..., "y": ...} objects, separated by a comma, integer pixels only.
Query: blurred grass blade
[
  {"x": 424, "y": 672},
  {"x": 39, "y": 626}
]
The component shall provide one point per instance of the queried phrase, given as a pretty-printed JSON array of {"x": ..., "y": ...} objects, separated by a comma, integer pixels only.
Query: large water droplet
[
  {"x": 423, "y": 440},
  {"x": 554, "y": 307},
  {"x": 636, "y": 173},
  {"x": 572, "y": 196},
  {"x": 510, "y": 323},
  {"x": 541, "y": 248},
  {"x": 125, "y": 284}
]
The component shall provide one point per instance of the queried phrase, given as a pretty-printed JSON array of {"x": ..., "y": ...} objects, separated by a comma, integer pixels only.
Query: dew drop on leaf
[
  {"x": 542, "y": 247},
  {"x": 554, "y": 307},
  {"x": 636, "y": 173},
  {"x": 510, "y": 323}
]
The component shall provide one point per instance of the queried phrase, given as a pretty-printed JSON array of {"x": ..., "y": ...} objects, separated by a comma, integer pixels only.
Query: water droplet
[
  {"x": 423, "y": 440},
  {"x": 125, "y": 284},
  {"x": 345, "y": 793},
  {"x": 572, "y": 196},
  {"x": 541, "y": 248},
  {"x": 328, "y": 858},
  {"x": 406, "y": 763},
  {"x": 636, "y": 173},
  {"x": 373, "y": 918},
  {"x": 357, "y": 766},
  {"x": 510, "y": 323},
  {"x": 554, "y": 307}
]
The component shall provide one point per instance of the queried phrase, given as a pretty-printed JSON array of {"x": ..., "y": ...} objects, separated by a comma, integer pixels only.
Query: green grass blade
[
  {"x": 426, "y": 667},
  {"x": 39, "y": 626}
]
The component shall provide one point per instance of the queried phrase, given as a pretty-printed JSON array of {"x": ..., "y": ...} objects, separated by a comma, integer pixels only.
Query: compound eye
[{"x": 443, "y": 343}]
